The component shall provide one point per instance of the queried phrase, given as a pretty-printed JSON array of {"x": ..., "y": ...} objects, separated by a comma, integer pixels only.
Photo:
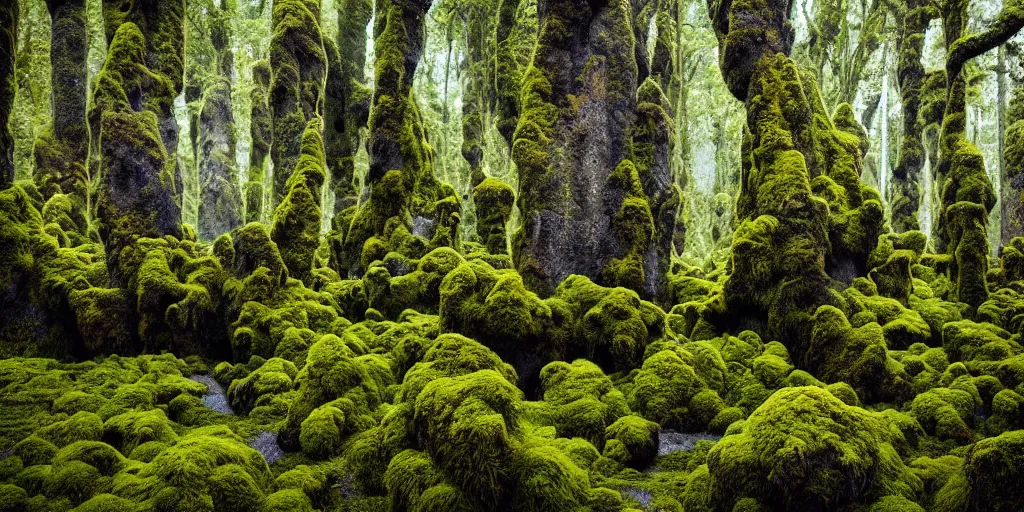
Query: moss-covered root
[
  {"x": 296, "y": 229},
  {"x": 60, "y": 153},
  {"x": 299, "y": 65},
  {"x": 494, "y": 200},
  {"x": 804, "y": 449},
  {"x": 8, "y": 42},
  {"x": 137, "y": 195},
  {"x": 261, "y": 132}
]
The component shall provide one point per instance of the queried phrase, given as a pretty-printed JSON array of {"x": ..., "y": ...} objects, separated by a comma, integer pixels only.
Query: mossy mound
[{"x": 791, "y": 453}]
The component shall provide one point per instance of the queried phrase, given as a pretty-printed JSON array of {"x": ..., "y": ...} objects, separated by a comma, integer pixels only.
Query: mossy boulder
[{"x": 805, "y": 449}]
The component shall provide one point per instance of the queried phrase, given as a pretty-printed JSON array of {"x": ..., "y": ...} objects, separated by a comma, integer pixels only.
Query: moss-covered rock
[{"x": 790, "y": 453}]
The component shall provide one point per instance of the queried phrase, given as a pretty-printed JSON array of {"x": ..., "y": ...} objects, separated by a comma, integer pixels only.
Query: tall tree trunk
[
  {"x": 9, "y": 12},
  {"x": 220, "y": 200}
]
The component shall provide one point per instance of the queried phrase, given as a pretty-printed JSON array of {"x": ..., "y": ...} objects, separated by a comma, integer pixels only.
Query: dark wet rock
[
  {"x": 641, "y": 496},
  {"x": 422, "y": 226},
  {"x": 266, "y": 444},
  {"x": 670, "y": 441},
  {"x": 215, "y": 398}
]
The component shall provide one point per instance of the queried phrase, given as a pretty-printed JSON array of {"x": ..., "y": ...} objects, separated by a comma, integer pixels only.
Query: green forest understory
[{"x": 389, "y": 255}]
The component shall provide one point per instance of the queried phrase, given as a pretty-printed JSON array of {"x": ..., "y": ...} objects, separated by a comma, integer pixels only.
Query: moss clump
[
  {"x": 338, "y": 389},
  {"x": 209, "y": 469},
  {"x": 833, "y": 460},
  {"x": 946, "y": 413},
  {"x": 632, "y": 440},
  {"x": 858, "y": 356},
  {"x": 665, "y": 390},
  {"x": 493, "y": 199},
  {"x": 579, "y": 400},
  {"x": 296, "y": 229}
]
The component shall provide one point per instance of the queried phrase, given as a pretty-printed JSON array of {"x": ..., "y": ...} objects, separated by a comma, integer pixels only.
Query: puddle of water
[
  {"x": 214, "y": 398},
  {"x": 670, "y": 441},
  {"x": 266, "y": 444}
]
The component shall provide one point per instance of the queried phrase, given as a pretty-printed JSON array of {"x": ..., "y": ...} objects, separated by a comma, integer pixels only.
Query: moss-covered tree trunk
[
  {"x": 966, "y": 194},
  {"x": 162, "y": 25},
  {"x": 507, "y": 74},
  {"x": 348, "y": 99},
  {"x": 9, "y": 14},
  {"x": 261, "y": 131},
  {"x": 220, "y": 201},
  {"x": 586, "y": 197},
  {"x": 1012, "y": 190},
  {"x": 8, "y": 85},
  {"x": 60, "y": 153},
  {"x": 137, "y": 194},
  {"x": 299, "y": 65},
  {"x": 804, "y": 218},
  {"x": 408, "y": 210},
  {"x": 905, "y": 191}
]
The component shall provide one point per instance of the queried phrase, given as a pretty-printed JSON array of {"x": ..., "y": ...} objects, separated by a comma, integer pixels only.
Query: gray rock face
[
  {"x": 670, "y": 441},
  {"x": 424, "y": 227},
  {"x": 215, "y": 398},
  {"x": 266, "y": 444},
  {"x": 220, "y": 206}
]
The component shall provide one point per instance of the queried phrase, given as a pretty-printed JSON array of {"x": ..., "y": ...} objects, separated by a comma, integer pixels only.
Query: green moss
[
  {"x": 547, "y": 480},
  {"x": 333, "y": 375},
  {"x": 106, "y": 503},
  {"x": 12, "y": 498},
  {"x": 296, "y": 228},
  {"x": 494, "y": 200},
  {"x": 467, "y": 423},
  {"x": 579, "y": 400},
  {"x": 299, "y": 66},
  {"x": 663, "y": 390},
  {"x": 858, "y": 356},
  {"x": 208, "y": 469},
  {"x": 840, "y": 458},
  {"x": 946, "y": 413},
  {"x": 632, "y": 440},
  {"x": 76, "y": 481},
  {"x": 969, "y": 341}
]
